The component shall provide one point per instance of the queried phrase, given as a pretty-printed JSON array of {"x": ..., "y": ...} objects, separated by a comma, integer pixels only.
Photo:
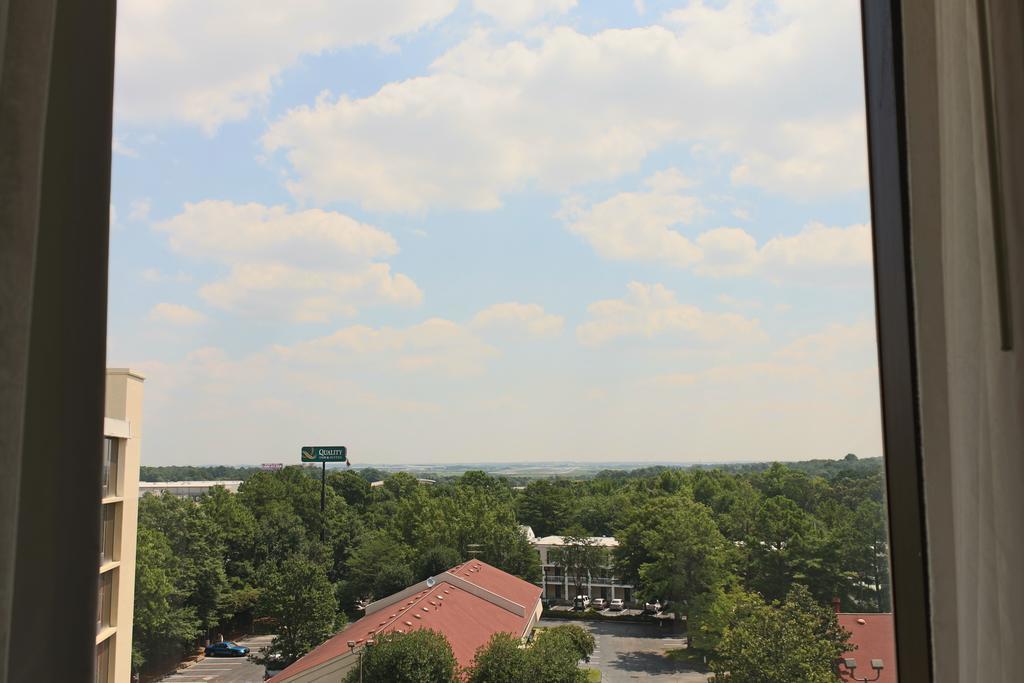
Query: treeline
[{"x": 196, "y": 473}]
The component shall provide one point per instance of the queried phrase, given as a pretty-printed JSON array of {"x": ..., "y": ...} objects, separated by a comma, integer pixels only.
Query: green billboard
[{"x": 324, "y": 454}]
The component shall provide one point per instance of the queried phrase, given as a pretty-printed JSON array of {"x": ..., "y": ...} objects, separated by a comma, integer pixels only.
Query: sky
[{"x": 451, "y": 231}]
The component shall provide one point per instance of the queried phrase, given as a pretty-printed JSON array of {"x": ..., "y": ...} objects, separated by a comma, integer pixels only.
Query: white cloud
[
  {"x": 770, "y": 90},
  {"x": 118, "y": 146},
  {"x": 521, "y": 12},
  {"x": 306, "y": 266},
  {"x": 650, "y": 311},
  {"x": 837, "y": 342},
  {"x": 295, "y": 293},
  {"x": 643, "y": 226},
  {"x": 819, "y": 253},
  {"x": 155, "y": 275},
  {"x": 435, "y": 345},
  {"x": 234, "y": 233},
  {"x": 206, "y": 62},
  {"x": 638, "y": 226},
  {"x": 176, "y": 314},
  {"x": 139, "y": 210},
  {"x": 512, "y": 316}
]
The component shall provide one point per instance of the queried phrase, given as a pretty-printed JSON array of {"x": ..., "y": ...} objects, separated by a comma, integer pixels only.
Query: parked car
[
  {"x": 598, "y": 603},
  {"x": 652, "y": 606},
  {"x": 581, "y": 602},
  {"x": 225, "y": 649},
  {"x": 616, "y": 604}
]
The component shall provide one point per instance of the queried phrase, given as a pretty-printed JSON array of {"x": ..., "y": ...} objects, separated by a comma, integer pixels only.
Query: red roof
[
  {"x": 875, "y": 638},
  {"x": 505, "y": 603}
]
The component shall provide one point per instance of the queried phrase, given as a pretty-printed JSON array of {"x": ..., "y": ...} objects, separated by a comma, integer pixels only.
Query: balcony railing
[{"x": 558, "y": 579}]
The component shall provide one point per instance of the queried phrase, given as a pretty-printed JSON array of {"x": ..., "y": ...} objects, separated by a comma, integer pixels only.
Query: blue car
[{"x": 226, "y": 649}]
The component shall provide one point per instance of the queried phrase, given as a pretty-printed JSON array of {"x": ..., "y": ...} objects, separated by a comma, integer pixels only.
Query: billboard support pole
[{"x": 323, "y": 491}]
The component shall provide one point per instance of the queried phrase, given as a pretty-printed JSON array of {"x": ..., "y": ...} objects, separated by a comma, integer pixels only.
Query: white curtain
[{"x": 972, "y": 390}]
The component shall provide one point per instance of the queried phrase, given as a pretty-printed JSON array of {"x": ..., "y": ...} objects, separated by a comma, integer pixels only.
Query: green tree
[
  {"x": 436, "y": 560},
  {"x": 688, "y": 554},
  {"x": 198, "y": 554},
  {"x": 300, "y": 599},
  {"x": 501, "y": 660},
  {"x": 420, "y": 656},
  {"x": 553, "y": 657},
  {"x": 783, "y": 539},
  {"x": 580, "y": 556},
  {"x": 163, "y": 624},
  {"x": 545, "y": 506},
  {"x": 555, "y": 654},
  {"x": 712, "y": 613},
  {"x": 350, "y": 486},
  {"x": 379, "y": 566},
  {"x": 796, "y": 641}
]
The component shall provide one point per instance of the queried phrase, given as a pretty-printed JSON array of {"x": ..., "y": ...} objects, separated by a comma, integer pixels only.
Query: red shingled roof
[
  {"x": 466, "y": 620},
  {"x": 875, "y": 638}
]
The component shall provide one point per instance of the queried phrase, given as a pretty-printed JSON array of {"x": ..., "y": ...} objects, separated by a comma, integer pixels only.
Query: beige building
[
  {"x": 122, "y": 437},
  {"x": 558, "y": 585}
]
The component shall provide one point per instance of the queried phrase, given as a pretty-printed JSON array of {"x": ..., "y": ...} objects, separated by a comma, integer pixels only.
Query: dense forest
[{"x": 721, "y": 544}]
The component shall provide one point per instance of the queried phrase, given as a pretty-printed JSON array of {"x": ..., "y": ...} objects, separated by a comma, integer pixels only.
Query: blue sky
[{"x": 471, "y": 230}]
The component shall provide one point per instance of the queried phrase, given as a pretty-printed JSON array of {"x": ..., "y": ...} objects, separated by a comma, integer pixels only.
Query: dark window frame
[{"x": 897, "y": 346}]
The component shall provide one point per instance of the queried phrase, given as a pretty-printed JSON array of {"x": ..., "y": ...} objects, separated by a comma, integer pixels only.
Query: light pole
[
  {"x": 851, "y": 665},
  {"x": 352, "y": 647}
]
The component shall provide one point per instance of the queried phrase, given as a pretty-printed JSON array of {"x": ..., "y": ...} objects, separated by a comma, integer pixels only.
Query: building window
[
  {"x": 106, "y": 598},
  {"x": 103, "y": 661},
  {"x": 107, "y": 533},
  {"x": 111, "y": 456}
]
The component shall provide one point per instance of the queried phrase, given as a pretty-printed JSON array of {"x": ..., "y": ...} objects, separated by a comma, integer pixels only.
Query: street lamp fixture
[{"x": 851, "y": 665}]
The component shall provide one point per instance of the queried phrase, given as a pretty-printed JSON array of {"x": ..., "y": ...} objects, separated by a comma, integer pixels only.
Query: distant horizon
[{"x": 632, "y": 464}]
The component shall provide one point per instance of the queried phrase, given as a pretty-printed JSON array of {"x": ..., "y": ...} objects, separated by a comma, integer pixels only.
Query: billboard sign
[{"x": 324, "y": 454}]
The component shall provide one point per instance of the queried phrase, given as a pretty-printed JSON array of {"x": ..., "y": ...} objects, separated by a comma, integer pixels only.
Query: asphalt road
[
  {"x": 224, "y": 669},
  {"x": 626, "y": 652}
]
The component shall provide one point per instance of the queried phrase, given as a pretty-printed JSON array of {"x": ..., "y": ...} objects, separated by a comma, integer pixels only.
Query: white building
[
  {"x": 558, "y": 586},
  {"x": 185, "y": 489}
]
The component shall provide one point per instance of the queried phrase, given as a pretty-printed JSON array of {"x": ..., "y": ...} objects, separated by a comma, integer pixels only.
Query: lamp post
[
  {"x": 851, "y": 665},
  {"x": 352, "y": 647}
]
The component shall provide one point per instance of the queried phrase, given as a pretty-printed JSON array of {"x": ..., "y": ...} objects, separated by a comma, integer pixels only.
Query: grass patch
[{"x": 593, "y": 676}]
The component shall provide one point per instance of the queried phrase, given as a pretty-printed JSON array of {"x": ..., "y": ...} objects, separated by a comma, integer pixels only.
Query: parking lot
[
  {"x": 626, "y": 652},
  {"x": 224, "y": 669}
]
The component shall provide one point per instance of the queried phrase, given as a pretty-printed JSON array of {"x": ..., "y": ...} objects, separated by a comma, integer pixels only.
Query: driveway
[
  {"x": 224, "y": 669},
  {"x": 626, "y": 652}
]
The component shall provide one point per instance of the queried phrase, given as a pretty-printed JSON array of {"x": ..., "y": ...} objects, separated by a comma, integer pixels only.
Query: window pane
[
  {"x": 107, "y": 533},
  {"x": 103, "y": 607},
  {"x": 110, "y": 464},
  {"x": 103, "y": 662}
]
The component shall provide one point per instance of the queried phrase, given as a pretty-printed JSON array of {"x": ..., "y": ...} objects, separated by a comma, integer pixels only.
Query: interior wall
[{"x": 971, "y": 387}]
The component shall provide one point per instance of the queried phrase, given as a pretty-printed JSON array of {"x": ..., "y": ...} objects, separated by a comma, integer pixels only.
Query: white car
[
  {"x": 616, "y": 604},
  {"x": 652, "y": 606},
  {"x": 581, "y": 602},
  {"x": 598, "y": 603}
]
